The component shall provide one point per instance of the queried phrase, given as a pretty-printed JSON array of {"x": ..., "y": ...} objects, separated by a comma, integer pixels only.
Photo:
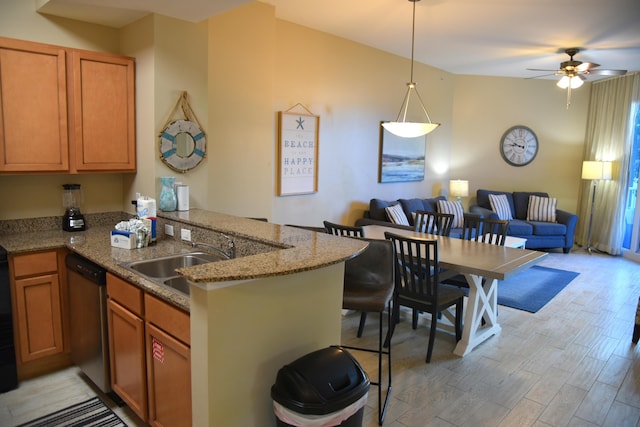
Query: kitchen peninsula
[{"x": 279, "y": 299}]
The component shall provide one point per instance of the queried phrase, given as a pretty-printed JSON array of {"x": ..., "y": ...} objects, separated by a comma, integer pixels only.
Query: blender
[{"x": 72, "y": 220}]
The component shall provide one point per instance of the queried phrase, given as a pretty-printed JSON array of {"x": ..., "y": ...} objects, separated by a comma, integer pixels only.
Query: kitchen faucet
[{"x": 230, "y": 251}]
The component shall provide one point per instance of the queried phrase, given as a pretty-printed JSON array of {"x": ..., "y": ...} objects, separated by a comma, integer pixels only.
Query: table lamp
[
  {"x": 594, "y": 171},
  {"x": 459, "y": 188}
]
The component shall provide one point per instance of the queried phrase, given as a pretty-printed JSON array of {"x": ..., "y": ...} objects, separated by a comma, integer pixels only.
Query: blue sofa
[
  {"x": 539, "y": 235},
  {"x": 376, "y": 215}
]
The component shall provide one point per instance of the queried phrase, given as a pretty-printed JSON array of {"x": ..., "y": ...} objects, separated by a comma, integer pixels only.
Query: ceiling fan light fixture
[
  {"x": 570, "y": 81},
  {"x": 401, "y": 127}
]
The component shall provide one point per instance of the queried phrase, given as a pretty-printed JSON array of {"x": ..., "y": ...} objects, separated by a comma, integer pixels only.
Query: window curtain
[{"x": 609, "y": 135}]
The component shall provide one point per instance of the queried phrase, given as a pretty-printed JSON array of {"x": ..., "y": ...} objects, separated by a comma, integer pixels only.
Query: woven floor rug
[
  {"x": 533, "y": 288},
  {"x": 92, "y": 412}
]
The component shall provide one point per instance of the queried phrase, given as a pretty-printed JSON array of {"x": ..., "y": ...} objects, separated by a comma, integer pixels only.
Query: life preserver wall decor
[{"x": 183, "y": 143}]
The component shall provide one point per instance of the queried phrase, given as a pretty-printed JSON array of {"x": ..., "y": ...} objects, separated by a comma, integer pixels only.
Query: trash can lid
[{"x": 320, "y": 382}]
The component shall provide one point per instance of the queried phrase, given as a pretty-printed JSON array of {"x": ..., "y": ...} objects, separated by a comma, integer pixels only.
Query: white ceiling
[{"x": 488, "y": 37}]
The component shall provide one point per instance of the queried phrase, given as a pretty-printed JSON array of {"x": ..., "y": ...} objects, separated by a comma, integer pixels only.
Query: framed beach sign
[
  {"x": 297, "y": 153},
  {"x": 401, "y": 159}
]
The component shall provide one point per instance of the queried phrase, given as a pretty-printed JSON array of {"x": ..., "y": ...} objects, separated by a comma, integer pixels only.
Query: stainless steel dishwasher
[{"x": 88, "y": 319}]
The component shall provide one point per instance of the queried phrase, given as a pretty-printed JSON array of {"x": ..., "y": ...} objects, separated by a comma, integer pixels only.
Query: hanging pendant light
[{"x": 403, "y": 128}]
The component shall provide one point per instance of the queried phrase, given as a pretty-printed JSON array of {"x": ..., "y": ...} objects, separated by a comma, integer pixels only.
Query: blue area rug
[{"x": 533, "y": 288}]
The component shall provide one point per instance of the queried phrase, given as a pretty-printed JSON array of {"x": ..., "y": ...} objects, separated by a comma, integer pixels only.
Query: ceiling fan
[{"x": 573, "y": 72}]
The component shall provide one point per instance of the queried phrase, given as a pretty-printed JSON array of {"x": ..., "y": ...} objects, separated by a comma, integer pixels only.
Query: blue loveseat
[
  {"x": 539, "y": 234},
  {"x": 376, "y": 215}
]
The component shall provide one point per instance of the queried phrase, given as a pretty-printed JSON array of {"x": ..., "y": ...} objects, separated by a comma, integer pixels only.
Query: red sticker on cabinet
[{"x": 158, "y": 350}]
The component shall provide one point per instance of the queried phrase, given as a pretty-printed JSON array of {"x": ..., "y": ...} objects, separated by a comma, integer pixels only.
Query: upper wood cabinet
[
  {"x": 102, "y": 112},
  {"x": 65, "y": 110},
  {"x": 33, "y": 107}
]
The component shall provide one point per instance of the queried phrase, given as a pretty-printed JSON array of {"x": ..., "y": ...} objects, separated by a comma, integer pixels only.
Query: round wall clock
[{"x": 519, "y": 146}]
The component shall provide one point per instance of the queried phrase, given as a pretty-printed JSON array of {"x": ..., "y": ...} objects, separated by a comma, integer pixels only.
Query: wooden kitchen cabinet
[
  {"x": 150, "y": 354},
  {"x": 127, "y": 344},
  {"x": 168, "y": 364},
  {"x": 38, "y": 285},
  {"x": 65, "y": 110},
  {"x": 33, "y": 107},
  {"x": 102, "y": 112}
]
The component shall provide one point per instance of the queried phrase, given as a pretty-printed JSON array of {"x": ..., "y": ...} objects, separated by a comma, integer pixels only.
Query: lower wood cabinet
[
  {"x": 169, "y": 378},
  {"x": 150, "y": 354},
  {"x": 127, "y": 357},
  {"x": 38, "y": 283}
]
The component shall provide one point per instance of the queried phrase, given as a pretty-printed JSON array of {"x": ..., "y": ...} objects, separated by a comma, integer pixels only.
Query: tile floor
[{"x": 570, "y": 364}]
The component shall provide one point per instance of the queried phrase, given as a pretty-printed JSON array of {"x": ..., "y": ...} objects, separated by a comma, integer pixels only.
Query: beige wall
[
  {"x": 485, "y": 107},
  {"x": 241, "y": 119},
  {"x": 352, "y": 89},
  {"x": 243, "y": 66}
]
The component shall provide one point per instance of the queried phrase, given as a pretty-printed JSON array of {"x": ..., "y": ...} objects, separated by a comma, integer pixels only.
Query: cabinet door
[
  {"x": 127, "y": 357},
  {"x": 169, "y": 373},
  {"x": 37, "y": 303},
  {"x": 33, "y": 107},
  {"x": 103, "y": 112}
]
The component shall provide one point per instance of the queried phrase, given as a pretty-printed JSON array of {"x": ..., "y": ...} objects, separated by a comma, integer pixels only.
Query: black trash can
[{"x": 325, "y": 387}]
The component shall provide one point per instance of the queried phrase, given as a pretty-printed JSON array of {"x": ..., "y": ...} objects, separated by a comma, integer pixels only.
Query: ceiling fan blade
[
  {"x": 541, "y": 69},
  {"x": 586, "y": 66},
  {"x": 607, "y": 72},
  {"x": 542, "y": 75}
]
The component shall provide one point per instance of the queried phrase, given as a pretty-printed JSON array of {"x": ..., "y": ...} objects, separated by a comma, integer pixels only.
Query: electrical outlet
[
  {"x": 185, "y": 234},
  {"x": 168, "y": 229}
]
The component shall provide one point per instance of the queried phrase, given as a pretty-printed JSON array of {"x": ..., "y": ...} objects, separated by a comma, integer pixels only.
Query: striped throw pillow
[
  {"x": 500, "y": 205},
  {"x": 396, "y": 215},
  {"x": 454, "y": 208},
  {"x": 542, "y": 209}
]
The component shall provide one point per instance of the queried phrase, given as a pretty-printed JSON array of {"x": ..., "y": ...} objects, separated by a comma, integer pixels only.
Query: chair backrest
[
  {"x": 375, "y": 264},
  {"x": 434, "y": 222},
  {"x": 417, "y": 267},
  {"x": 343, "y": 230},
  {"x": 485, "y": 230}
]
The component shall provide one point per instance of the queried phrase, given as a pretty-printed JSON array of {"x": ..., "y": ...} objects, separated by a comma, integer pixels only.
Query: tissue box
[{"x": 123, "y": 239}]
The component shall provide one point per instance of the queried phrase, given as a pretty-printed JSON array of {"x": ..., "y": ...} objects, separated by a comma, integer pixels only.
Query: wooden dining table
[{"x": 483, "y": 265}]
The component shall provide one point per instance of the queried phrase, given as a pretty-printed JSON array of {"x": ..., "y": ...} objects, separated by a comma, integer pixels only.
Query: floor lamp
[{"x": 594, "y": 171}]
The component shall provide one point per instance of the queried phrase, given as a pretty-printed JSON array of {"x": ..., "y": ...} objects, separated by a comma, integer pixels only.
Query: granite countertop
[{"x": 293, "y": 250}]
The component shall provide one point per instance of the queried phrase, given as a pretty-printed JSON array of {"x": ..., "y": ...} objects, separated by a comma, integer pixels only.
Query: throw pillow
[
  {"x": 500, "y": 205},
  {"x": 396, "y": 215},
  {"x": 542, "y": 209},
  {"x": 454, "y": 208}
]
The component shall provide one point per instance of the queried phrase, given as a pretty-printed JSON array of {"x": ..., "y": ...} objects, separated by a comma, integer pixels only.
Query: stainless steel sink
[
  {"x": 166, "y": 266},
  {"x": 163, "y": 270},
  {"x": 178, "y": 283}
]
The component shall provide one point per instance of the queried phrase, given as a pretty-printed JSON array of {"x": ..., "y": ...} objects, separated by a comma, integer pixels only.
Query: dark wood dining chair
[
  {"x": 343, "y": 230},
  {"x": 434, "y": 222},
  {"x": 418, "y": 284},
  {"x": 369, "y": 283},
  {"x": 485, "y": 230}
]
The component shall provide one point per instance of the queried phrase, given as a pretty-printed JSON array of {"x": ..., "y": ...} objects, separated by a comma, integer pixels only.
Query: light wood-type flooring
[{"x": 570, "y": 364}]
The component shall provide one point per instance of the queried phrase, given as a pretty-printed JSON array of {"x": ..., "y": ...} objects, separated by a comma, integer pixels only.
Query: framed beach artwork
[
  {"x": 297, "y": 152},
  {"x": 401, "y": 159}
]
